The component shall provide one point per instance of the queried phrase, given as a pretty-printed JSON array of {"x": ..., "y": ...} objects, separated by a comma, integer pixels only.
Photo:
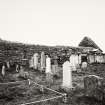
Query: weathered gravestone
[
  {"x": 48, "y": 65},
  {"x": 8, "y": 65},
  {"x": 94, "y": 87},
  {"x": 31, "y": 62},
  {"x": 55, "y": 67},
  {"x": 3, "y": 70},
  {"x": 23, "y": 73},
  {"x": 43, "y": 62},
  {"x": 49, "y": 76},
  {"x": 74, "y": 61},
  {"x": 78, "y": 68},
  {"x": 84, "y": 65},
  {"x": 36, "y": 60},
  {"x": 67, "y": 75}
]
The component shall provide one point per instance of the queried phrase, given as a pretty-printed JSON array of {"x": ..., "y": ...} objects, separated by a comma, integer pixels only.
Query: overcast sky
[{"x": 53, "y": 22}]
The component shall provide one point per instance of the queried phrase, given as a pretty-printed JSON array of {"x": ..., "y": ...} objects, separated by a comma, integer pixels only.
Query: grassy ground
[{"x": 74, "y": 97}]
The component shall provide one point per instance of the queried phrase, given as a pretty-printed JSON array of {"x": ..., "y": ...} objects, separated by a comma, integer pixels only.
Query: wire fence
[
  {"x": 28, "y": 92},
  {"x": 53, "y": 98}
]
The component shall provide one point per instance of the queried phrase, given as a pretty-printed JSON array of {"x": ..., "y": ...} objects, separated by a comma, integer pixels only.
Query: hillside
[{"x": 17, "y": 51}]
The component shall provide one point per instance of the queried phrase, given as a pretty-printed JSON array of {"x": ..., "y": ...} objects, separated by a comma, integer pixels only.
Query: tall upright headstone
[
  {"x": 67, "y": 75},
  {"x": 48, "y": 64},
  {"x": 73, "y": 59},
  {"x": 43, "y": 61},
  {"x": 36, "y": 60},
  {"x": 49, "y": 76},
  {"x": 31, "y": 62},
  {"x": 79, "y": 58},
  {"x": 55, "y": 66},
  {"x": 55, "y": 60}
]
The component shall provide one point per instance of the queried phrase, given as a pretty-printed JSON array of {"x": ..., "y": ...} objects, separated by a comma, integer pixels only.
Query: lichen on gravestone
[{"x": 94, "y": 87}]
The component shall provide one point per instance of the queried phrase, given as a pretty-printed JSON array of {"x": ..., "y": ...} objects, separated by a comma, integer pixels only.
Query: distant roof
[{"x": 88, "y": 42}]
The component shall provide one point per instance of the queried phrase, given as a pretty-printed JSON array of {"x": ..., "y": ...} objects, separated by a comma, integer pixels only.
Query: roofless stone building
[{"x": 87, "y": 51}]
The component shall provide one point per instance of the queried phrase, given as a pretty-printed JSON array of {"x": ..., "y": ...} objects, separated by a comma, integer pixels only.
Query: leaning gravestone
[
  {"x": 67, "y": 75},
  {"x": 94, "y": 87}
]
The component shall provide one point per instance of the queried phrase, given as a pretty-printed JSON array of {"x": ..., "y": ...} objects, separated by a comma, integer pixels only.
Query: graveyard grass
[{"x": 75, "y": 96}]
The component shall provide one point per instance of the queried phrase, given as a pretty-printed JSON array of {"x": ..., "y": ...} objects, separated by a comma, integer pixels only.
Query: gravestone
[
  {"x": 43, "y": 62},
  {"x": 8, "y": 65},
  {"x": 3, "y": 70},
  {"x": 73, "y": 60},
  {"x": 67, "y": 75},
  {"x": 55, "y": 60},
  {"x": 84, "y": 65},
  {"x": 49, "y": 76},
  {"x": 94, "y": 87},
  {"x": 31, "y": 62},
  {"x": 36, "y": 61},
  {"x": 55, "y": 67},
  {"x": 48, "y": 65},
  {"x": 78, "y": 68},
  {"x": 21, "y": 71}
]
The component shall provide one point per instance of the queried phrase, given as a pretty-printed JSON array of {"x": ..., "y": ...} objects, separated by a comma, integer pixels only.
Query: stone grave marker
[
  {"x": 67, "y": 75},
  {"x": 3, "y": 70},
  {"x": 49, "y": 76},
  {"x": 31, "y": 62},
  {"x": 21, "y": 71},
  {"x": 48, "y": 65},
  {"x": 84, "y": 65},
  {"x": 8, "y": 65},
  {"x": 43, "y": 62},
  {"x": 93, "y": 86},
  {"x": 55, "y": 67},
  {"x": 36, "y": 61}
]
